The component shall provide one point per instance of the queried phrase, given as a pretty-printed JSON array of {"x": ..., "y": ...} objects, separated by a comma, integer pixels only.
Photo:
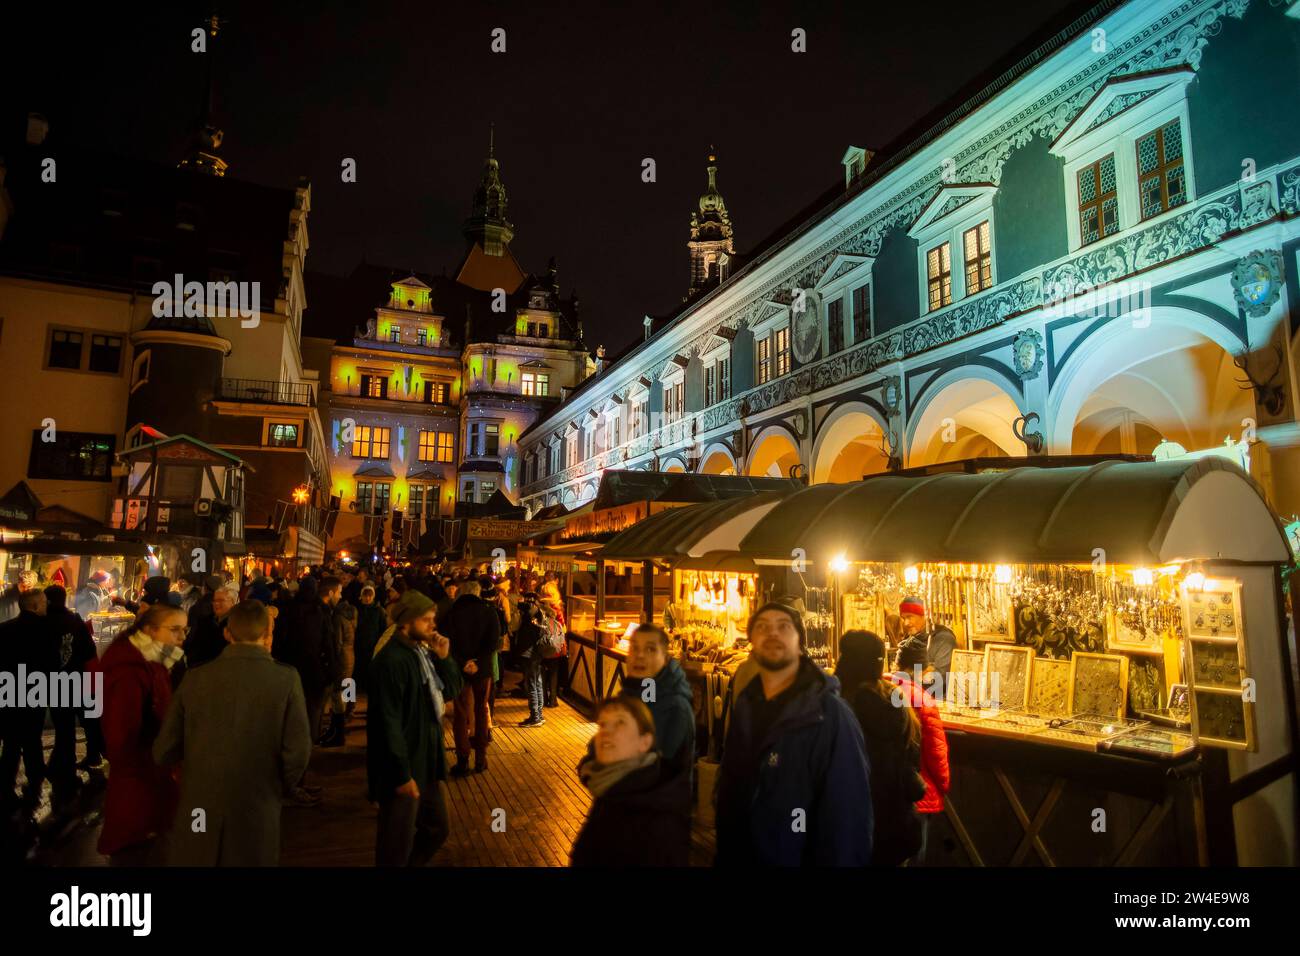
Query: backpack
[{"x": 552, "y": 643}]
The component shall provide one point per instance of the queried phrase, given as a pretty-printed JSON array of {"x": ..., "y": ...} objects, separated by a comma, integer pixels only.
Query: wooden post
[
  {"x": 647, "y": 592},
  {"x": 600, "y": 590}
]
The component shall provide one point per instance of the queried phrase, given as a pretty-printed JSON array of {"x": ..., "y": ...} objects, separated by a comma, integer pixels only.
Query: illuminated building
[
  {"x": 441, "y": 380},
  {"x": 1093, "y": 253},
  {"x": 103, "y": 363}
]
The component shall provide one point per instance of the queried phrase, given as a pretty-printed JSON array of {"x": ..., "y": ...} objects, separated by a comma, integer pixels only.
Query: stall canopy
[
  {"x": 718, "y": 561},
  {"x": 1146, "y": 513},
  {"x": 622, "y": 487},
  {"x": 693, "y": 529}
]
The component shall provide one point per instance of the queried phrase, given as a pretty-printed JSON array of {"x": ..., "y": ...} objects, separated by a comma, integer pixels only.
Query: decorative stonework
[
  {"x": 1199, "y": 227},
  {"x": 1257, "y": 281},
  {"x": 1118, "y": 105},
  {"x": 1289, "y": 195},
  {"x": 982, "y": 313},
  {"x": 952, "y": 203},
  {"x": 1257, "y": 203},
  {"x": 1027, "y": 354}
]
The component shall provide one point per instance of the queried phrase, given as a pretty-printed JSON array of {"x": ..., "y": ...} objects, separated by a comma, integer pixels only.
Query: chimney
[
  {"x": 38, "y": 127},
  {"x": 648, "y": 323}
]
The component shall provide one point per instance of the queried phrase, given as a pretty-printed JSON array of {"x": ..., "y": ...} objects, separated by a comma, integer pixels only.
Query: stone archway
[
  {"x": 775, "y": 452},
  {"x": 848, "y": 445},
  {"x": 717, "y": 460},
  {"x": 967, "y": 416}
]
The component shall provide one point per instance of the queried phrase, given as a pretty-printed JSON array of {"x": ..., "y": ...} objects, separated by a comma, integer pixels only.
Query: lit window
[
  {"x": 360, "y": 441},
  {"x": 938, "y": 266},
  {"x": 281, "y": 435},
  {"x": 1161, "y": 184},
  {"x": 428, "y": 446},
  {"x": 978, "y": 258},
  {"x": 1098, "y": 201},
  {"x": 370, "y": 442},
  {"x": 764, "y": 359},
  {"x": 374, "y": 386},
  {"x": 435, "y": 393},
  {"x": 445, "y": 446},
  {"x": 781, "y": 346}
]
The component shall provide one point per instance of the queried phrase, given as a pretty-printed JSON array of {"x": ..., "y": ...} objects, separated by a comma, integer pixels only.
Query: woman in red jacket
[
  {"x": 934, "y": 744},
  {"x": 141, "y": 797}
]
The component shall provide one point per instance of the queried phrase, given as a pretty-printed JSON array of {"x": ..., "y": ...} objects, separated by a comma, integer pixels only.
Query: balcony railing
[{"x": 267, "y": 392}]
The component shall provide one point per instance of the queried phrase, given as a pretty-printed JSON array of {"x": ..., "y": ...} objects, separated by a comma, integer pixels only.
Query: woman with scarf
[
  {"x": 640, "y": 815},
  {"x": 139, "y": 667}
]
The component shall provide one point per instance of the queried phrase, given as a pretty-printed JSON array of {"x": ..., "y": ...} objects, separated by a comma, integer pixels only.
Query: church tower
[
  {"x": 711, "y": 245},
  {"x": 203, "y": 157},
  {"x": 489, "y": 264}
]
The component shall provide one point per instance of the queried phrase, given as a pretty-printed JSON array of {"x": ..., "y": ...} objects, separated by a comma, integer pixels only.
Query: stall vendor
[{"x": 940, "y": 641}]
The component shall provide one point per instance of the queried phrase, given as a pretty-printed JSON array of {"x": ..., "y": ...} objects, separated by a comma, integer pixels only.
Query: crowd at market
[{"x": 216, "y": 696}]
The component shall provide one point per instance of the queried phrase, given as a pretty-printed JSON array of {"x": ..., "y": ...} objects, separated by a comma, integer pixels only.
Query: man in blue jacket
[{"x": 794, "y": 786}]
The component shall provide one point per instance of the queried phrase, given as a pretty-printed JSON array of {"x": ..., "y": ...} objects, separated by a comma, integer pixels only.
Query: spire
[
  {"x": 711, "y": 244},
  {"x": 207, "y": 137},
  {"x": 487, "y": 225}
]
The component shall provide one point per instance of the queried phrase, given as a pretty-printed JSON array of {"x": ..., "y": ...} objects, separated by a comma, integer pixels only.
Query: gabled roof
[{"x": 149, "y": 448}]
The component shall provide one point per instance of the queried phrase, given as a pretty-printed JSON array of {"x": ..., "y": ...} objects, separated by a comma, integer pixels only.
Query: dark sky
[{"x": 581, "y": 96}]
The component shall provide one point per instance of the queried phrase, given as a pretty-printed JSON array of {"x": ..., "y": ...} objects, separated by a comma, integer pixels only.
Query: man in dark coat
[
  {"x": 307, "y": 643},
  {"x": 239, "y": 726},
  {"x": 410, "y": 680},
  {"x": 72, "y": 650},
  {"x": 474, "y": 628},
  {"x": 24, "y": 641},
  {"x": 207, "y": 637},
  {"x": 794, "y": 787}
]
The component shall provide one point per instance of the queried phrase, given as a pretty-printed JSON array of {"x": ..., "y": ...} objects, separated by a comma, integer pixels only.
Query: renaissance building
[
  {"x": 1095, "y": 254},
  {"x": 433, "y": 378}
]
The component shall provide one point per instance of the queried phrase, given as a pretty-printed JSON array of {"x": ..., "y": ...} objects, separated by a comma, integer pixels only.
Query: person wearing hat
[
  {"x": 908, "y": 693},
  {"x": 893, "y": 739},
  {"x": 410, "y": 678},
  {"x": 940, "y": 642},
  {"x": 794, "y": 788}
]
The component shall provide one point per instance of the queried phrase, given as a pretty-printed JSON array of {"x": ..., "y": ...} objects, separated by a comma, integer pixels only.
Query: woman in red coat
[
  {"x": 141, "y": 798},
  {"x": 934, "y": 744}
]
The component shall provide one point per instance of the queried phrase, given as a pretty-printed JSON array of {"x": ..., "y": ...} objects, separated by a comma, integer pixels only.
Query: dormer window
[
  {"x": 957, "y": 222},
  {"x": 1126, "y": 156}
]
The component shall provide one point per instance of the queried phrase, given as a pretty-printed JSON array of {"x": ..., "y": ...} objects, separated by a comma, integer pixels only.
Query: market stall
[{"x": 1122, "y": 691}]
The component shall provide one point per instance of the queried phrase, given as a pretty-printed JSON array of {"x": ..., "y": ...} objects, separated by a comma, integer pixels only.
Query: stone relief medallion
[
  {"x": 1257, "y": 281},
  {"x": 891, "y": 394},
  {"x": 1027, "y": 354},
  {"x": 807, "y": 331}
]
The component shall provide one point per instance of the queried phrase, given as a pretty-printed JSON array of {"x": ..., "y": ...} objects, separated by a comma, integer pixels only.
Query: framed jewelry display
[
  {"x": 966, "y": 681},
  {"x": 1125, "y": 632},
  {"x": 988, "y": 611},
  {"x": 1008, "y": 667},
  {"x": 1098, "y": 684},
  {"x": 1217, "y": 668},
  {"x": 1049, "y": 687}
]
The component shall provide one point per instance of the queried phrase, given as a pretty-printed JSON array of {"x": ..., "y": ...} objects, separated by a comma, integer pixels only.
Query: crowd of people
[{"x": 216, "y": 697}]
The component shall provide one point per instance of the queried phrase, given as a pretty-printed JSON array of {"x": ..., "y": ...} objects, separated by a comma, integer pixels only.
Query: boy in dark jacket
[
  {"x": 404, "y": 753},
  {"x": 640, "y": 815},
  {"x": 657, "y": 680},
  {"x": 474, "y": 629},
  {"x": 794, "y": 787}
]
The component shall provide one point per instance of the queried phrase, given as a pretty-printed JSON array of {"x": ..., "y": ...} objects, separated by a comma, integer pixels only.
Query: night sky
[{"x": 581, "y": 96}]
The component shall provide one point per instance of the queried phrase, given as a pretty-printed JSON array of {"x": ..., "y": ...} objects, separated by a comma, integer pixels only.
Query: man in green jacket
[{"x": 410, "y": 678}]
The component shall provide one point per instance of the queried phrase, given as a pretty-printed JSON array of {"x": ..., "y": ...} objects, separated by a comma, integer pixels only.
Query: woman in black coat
[
  {"x": 893, "y": 739},
  {"x": 640, "y": 816}
]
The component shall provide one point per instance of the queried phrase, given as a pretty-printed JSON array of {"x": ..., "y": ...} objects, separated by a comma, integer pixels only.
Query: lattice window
[{"x": 1162, "y": 184}]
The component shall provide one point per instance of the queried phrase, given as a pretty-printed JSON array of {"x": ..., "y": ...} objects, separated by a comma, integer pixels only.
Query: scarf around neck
[
  {"x": 156, "y": 651},
  {"x": 599, "y": 778}
]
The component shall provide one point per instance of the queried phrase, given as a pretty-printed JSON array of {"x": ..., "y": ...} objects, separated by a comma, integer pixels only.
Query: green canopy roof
[{"x": 1144, "y": 513}]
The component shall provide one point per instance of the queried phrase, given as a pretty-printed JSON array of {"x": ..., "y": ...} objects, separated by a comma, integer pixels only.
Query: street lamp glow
[
  {"x": 839, "y": 563},
  {"x": 1002, "y": 574},
  {"x": 1144, "y": 577},
  {"x": 911, "y": 574}
]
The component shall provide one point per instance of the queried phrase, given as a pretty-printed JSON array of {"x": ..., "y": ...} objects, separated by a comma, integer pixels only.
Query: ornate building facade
[
  {"x": 1095, "y": 254},
  {"x": 426, "y": 403}
]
